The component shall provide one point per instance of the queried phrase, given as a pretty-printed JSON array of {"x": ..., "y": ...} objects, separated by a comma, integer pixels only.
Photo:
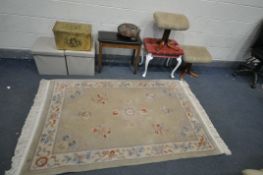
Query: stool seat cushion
[
  {"x": 171, "y": 21},
  {"x": 196, "y": 54},
  {"x": 152, "y": 45}
]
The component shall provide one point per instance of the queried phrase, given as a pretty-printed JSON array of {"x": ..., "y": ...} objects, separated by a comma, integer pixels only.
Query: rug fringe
[
  {"x": 206, "y": 120},
  {"x": 28, "y": 129}
]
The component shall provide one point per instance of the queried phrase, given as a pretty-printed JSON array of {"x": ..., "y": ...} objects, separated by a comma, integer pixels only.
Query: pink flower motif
[
  {"x": 144, "y": 110},
  {"x": 202, "y": 141},
  {"x": 115, "y": 113},
  {"x": 159, "y": 129},
  {"x": 102, "y": 131},
  {"x": 110, "y": 153},
  {"x": 102, "y": 99}
]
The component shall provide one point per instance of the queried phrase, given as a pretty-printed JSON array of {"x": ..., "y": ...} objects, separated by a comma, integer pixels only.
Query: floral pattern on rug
[{"x": 132, "y": 112}]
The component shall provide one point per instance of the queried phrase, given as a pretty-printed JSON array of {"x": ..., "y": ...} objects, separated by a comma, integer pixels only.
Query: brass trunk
[{"x": 72, "y": 36}]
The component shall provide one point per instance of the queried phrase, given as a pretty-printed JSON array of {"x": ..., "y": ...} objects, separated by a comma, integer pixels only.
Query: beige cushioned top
[
  {"x": 171, "y": 21},
  {"x": 252, "y": 172},
  {"x": 196, "y": 54}
]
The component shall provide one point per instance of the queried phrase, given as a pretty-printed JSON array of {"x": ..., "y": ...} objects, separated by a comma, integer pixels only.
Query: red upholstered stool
[{"x": 169, "y": 50}]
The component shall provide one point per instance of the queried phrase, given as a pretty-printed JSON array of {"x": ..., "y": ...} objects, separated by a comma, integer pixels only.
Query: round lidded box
[{"x": 128, "y": 30}]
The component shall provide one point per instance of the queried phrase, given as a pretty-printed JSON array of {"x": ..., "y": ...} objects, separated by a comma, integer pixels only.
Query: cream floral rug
[{"x": 79, "y": 125}]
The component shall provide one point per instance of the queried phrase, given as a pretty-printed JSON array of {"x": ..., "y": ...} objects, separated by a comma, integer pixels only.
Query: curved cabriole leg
[
  {"x": 142, "y": 57},
  {"x": 149, "y": 57},
  {"x": 179, "y": 62},
  {"x": 167, "y": 62}
]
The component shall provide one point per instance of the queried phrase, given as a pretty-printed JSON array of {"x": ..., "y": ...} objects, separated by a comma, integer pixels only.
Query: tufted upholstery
[
  {"x": 171, "y": 21},
  {"x": 151, "y": 45},
  {"x": 196, "y": 54}
]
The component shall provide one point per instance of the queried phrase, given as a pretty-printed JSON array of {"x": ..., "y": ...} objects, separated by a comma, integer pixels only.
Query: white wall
[{"x": 223, "y": 26}]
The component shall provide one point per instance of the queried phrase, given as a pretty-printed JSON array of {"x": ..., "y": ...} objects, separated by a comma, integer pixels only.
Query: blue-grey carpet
[{"x": 235, "y": 109}]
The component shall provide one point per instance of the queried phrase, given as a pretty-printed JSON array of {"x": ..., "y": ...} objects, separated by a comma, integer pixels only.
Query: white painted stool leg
[
  {"x": 142, "y": 57},
  {"x": 179, "y": 62},
  {"x": 167, "y": 62},
  {"x": 149, "y": 57}
]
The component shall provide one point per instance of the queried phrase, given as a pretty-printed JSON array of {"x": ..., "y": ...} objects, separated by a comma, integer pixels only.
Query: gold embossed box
[{"x": 72, "y": 36}]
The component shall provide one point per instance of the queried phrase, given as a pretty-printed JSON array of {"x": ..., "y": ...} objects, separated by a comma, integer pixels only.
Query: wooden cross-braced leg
[{"x": 187, "y": 70}]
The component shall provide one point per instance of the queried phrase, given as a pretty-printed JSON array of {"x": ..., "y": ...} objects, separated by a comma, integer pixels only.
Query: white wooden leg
[
  {"x": 179, "y": 62},
  {"x": 142, "y": 57},
  {"x": 167, "y": 62},
  {"x": 149, "y": 57}
]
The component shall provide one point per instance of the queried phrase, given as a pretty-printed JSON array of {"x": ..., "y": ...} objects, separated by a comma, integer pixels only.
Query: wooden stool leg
[
  {"x": 99, "y": 67},
  {"x": 187, "y": 70},
  {"x": 183, "y": 71},
  {"x": 167, "y": 62},
  {"x": 190, "y": 72},
  {"x": 136, "y": 59},
  {"x": 149, "y": 57},
  {"x": 179, "y": 62}
]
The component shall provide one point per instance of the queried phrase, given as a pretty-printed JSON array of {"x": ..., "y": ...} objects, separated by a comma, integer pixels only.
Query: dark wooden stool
[{"x": 113, "y": 40}]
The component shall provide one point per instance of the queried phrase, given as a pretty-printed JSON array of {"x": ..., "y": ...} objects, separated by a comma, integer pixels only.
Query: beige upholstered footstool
[
  {"x": 194, "y": 54},
  {"x": 252, "y": 172}
]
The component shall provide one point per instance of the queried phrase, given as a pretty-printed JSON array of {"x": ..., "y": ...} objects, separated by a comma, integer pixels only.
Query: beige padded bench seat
[
  {"x": 252, "y": 172},
  {"x": 194, "y": 54}
]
